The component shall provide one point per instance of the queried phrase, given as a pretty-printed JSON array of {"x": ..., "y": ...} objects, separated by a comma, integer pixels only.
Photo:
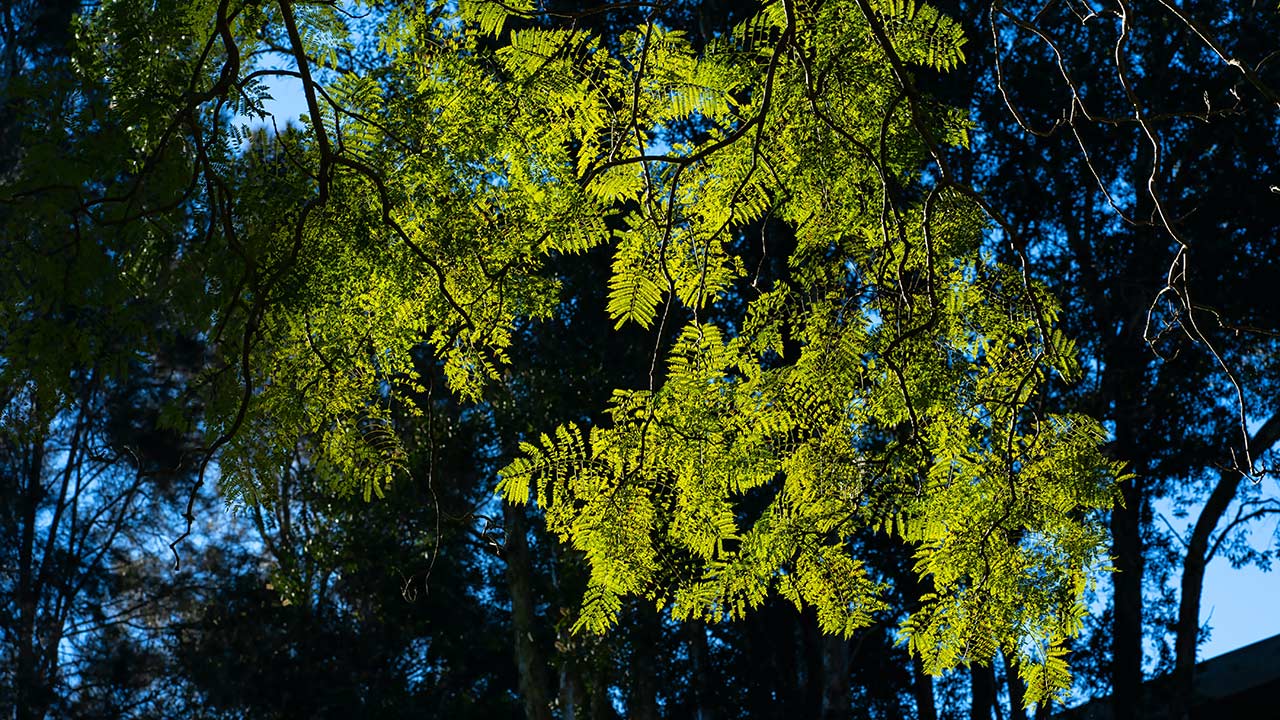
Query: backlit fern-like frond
[{"x": 922, "y": 34}]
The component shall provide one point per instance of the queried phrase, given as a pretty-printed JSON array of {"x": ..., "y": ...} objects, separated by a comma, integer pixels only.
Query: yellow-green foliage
[
  {"x": 444, "y": 200},
  {"x": 889, "y": 384}
]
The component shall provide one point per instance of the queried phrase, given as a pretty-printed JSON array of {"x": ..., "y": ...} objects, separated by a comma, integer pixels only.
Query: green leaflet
[
  {"x": 887, "y": 387},
  {"x": 922, "y": 34}
]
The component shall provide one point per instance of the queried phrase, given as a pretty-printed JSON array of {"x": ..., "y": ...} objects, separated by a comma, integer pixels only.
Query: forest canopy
[{"x": 742, "y": 303}]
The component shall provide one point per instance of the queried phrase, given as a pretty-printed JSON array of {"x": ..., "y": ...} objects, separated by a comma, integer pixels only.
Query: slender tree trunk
[
  {"x": 922, "y": 690},
  {"x": 1126, "y": 362},
  {"x": 777, "y": 686},
  {"x": 31, "y": 694},
  {"x": 601, "y": 703},
  {"x": 531, "y": 665},
  {"x": 570, "y": 690},
  {"x": 1017, "y": 691},
  {"x": 704, "y": 674},
  {"x": 982, "y": 696},
  {"x": 645, "y": 633},
  {"x": 1126, "y": 642},
  {"x": 644, "y": 692},
  {"x": 761, "y": 676},
  {"x": 811, "y": 678},
  {"x": 1194, "y": 564},
  {"x": 835, "y": 678},
  {"x": 788, "y": 644}
]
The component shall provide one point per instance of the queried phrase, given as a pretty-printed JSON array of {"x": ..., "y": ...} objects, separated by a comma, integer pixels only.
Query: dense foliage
[
  {"x": 752, "y": 302},
  {"x": 882, "y": 382}
]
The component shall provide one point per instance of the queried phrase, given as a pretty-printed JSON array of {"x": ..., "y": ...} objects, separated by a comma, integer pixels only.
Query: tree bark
[
  {"x": 810, "y": 666},
  {"x": 571, "y": 695},
  {"x": 1187, "y": 632},
  {"x": 922, "y": 690},
  {"x": 645, "y": 634},
  {"x": 30, "y": 690},
  {"x": 531, "y": 665},
  {"x": 761, "y": 676},
  {"x": 1126, "y": 361},
  {"x": 835, "y": 677},
  {"x": 1126, "y": 642},
  {"x": 704, "y": 676},
  {"x": 601, "y": 703},
  {"x": 982, "y": 696},
  {"x": 1017, "y": 691}
]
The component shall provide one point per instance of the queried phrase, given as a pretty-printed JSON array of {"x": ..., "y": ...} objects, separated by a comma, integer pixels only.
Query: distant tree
[{"x": 100, "y": 344}]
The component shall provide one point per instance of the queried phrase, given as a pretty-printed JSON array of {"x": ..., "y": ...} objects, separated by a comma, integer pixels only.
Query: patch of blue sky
[{"x": 287, "y": 102}]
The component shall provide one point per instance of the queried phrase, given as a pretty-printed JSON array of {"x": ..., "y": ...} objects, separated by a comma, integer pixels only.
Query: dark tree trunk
[
  {"x": 645, "y": 636},
  {"x": 982, "y": 698},
  {"x": 531, "y": 664},
  {"x": 30, "y": 690},
  {"x": 785, "y": 675},
  {"x": 1126, "y": 363},
  {"x": 922, "y": 690},
  {"x": 835, "y": 678},
  {"x": 809, "y": 650},
  {"x": 601, "y": 703},
  {"x": 571, "y": 691},
  {"x": 773, "y": 690},
  {"x": 1126, "y": 642},
  {"x": 704, "y": 679},
  {"x": 760, "y": 676},
  {"x": 1017, "y": 691}
]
